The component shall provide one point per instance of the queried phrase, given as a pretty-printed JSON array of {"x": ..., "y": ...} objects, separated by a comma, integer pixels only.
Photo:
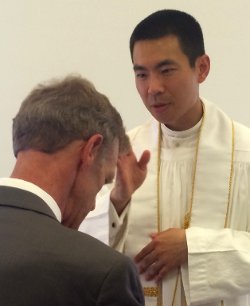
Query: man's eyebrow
[
  {"x": 158, "y": 65},
  {"x": 138, "y": 67},
  {"x": 165, "y": 63}
]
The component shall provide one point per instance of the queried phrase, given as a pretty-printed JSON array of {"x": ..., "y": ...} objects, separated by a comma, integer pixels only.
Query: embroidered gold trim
[{"x": 151, "y": 291}]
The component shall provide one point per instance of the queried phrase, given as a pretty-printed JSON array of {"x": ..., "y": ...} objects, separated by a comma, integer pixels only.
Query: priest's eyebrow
[{"x": 159, "y": 65}]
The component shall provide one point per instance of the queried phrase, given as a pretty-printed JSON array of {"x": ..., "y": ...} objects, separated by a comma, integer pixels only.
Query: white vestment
[{"x": 218, "y": 258}]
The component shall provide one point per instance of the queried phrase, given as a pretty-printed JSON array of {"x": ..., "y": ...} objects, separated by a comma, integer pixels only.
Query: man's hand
[
  {"x": 129, "y": 176},
  {"x": 167, "y": 251}
]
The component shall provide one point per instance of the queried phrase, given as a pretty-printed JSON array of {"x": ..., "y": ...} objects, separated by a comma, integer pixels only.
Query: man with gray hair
[{"x": 67, "y": 138}]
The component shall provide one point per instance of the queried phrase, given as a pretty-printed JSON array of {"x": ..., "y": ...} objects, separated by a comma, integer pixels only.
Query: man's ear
[
  {"x": 92, "y": 148},
  {"x": 203, "y": 66}
]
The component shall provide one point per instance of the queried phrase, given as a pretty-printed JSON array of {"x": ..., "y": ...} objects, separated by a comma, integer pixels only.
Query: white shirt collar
[
  {"x": 181, "y": 134},
  {"x": 21, "y": 184}
]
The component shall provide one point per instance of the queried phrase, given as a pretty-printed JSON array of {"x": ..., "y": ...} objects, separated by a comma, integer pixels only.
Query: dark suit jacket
[{"x": 44, "y": 263}]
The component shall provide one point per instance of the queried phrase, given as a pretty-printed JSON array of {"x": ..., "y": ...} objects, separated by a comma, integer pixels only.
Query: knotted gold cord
[{"x": 157, "y": 291}]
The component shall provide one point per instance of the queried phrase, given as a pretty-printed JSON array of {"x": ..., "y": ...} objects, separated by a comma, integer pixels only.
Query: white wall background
[{"x": 42, "y": 39}]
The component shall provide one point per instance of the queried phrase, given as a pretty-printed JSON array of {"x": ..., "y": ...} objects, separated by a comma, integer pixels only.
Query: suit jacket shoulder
[{"x": 44, "y": 263}]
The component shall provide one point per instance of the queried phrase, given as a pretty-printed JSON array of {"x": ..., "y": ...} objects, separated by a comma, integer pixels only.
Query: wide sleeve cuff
[
  {"x": 118, "y": 227},
  {"x": 218, "y": 264},
  {"x": 96, "y": 223}
]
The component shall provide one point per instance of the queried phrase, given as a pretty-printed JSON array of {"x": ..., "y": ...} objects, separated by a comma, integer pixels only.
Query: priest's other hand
[
  {"x": 130, "y": 174},
  {"x": 166, "y": 251}
]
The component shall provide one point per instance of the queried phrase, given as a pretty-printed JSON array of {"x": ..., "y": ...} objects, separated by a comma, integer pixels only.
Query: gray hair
[{"x": 61, "y": 111}]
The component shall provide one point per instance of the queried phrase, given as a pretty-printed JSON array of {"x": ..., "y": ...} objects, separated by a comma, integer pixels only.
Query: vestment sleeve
[
  {"x": 218, "y": 264},
  {"x": 104, "y": 224},
  {"x": 118, "y": 226},
  {"x": 219, "y": 258},
  {"x": 96, "y": 224}
]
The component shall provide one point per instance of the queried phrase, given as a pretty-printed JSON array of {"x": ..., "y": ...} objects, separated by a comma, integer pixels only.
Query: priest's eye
[{"x": 141, "y": 75}]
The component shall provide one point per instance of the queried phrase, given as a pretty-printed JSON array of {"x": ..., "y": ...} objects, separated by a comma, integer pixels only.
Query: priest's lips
[{"x": 160, "y": 107}]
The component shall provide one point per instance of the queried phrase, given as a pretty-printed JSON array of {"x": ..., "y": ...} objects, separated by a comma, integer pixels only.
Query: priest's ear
[
  {"x": 203, "y": 67},
  {"x": 92, "y": 149}
]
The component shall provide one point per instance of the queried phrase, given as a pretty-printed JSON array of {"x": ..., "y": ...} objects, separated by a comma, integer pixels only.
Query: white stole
[{"x": 211, "y": 187}]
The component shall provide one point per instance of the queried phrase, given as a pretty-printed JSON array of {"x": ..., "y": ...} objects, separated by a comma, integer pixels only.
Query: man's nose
[{"x": 155, "y": 85}]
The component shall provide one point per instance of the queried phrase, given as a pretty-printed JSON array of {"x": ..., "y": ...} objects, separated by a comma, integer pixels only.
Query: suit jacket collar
[{"x": 22, "y": 199}]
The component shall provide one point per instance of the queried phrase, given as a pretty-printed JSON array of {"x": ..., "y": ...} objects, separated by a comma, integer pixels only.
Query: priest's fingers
[
  {"x": 146, "y": 257},
  {"x": 146, "y": 262},
  {"x": 163, "y": 271},
  {"x": 154, "y": 271},
  {"x": 144, "y": 159},
  {"x": 144, "y": 252}
]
